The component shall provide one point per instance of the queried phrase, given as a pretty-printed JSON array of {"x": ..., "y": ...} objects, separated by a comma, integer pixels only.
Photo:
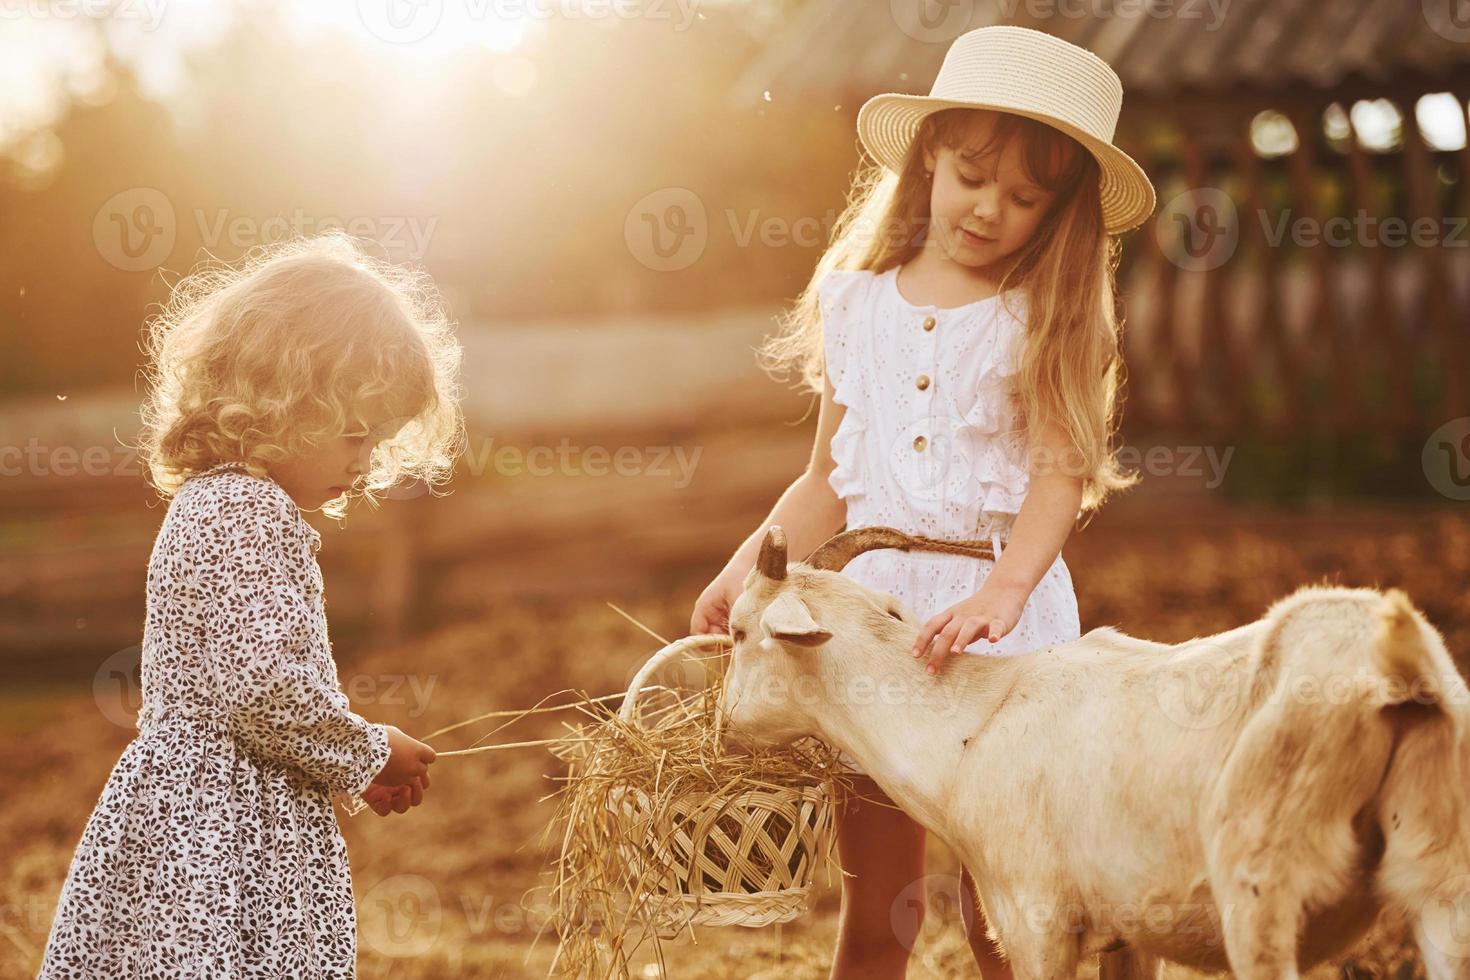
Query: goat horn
[
  {"x": 834, "y": 554},
  {"x": 772, "y": 560}
]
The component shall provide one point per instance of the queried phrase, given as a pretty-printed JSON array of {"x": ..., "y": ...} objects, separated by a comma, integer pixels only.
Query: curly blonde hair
[
  {"x": 1071, "y": 368},
  {"x": 263, "y": 360}
]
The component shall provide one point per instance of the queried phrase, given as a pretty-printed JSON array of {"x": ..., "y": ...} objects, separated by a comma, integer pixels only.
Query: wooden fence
[{"x": 1280, "y": 337}]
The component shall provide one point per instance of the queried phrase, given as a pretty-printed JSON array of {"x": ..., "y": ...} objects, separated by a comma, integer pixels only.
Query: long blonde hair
[
  {"x": 261, "y": 361},
  {"x": 1071, "y": 366}
]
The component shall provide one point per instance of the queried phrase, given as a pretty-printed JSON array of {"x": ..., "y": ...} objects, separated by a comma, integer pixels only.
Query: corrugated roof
[{"x": 845, "y": 49}]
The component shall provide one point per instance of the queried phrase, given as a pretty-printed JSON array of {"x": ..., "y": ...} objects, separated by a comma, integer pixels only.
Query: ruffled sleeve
[
  {"x": 279, "y": 704},
  {"x": 994, "y": 420},
  {"x": 842, "y": 296}
]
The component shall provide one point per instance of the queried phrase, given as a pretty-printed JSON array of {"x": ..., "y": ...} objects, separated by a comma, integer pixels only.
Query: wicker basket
[{"x": 746, "y": 860}]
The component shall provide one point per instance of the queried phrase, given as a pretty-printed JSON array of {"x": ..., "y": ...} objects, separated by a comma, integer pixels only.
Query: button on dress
[
  {"x": 214, "y": 850},
  {"x": 932, "y": 442}
]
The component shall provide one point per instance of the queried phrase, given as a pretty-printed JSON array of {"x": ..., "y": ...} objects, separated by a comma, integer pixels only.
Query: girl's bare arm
[{"x": 1047, "y": 515}]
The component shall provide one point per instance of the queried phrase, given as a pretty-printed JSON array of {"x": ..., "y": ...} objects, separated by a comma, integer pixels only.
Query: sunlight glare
[
  {"x": 415, "y": 29},
  {"x": 1441, "y": 118},
  {"x": 48, "y": 62}
]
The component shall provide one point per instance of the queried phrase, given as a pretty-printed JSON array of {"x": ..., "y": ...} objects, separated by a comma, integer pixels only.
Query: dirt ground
[{"x": 455, "y": 888}]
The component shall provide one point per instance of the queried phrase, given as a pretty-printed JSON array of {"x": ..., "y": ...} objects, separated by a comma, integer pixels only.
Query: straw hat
[{"x": 1026, "y": 73}]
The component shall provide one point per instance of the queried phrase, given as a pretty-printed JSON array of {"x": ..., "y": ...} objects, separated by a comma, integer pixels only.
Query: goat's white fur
[{"x": 1094, "y": 802}]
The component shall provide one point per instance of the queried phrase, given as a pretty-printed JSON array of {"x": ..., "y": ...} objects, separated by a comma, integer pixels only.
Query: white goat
[{"x": 1102, "y": 804}]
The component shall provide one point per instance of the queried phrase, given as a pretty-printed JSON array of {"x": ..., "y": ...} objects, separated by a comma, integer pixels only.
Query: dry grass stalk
[{"x": 662, "y": 829}]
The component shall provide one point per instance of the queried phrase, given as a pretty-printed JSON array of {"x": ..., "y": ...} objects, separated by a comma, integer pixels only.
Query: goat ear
[{"x": 788, "y": 620}]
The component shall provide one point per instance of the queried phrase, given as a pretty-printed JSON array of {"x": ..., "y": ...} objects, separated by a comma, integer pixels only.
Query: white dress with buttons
[{"x": 932, "y": 443}]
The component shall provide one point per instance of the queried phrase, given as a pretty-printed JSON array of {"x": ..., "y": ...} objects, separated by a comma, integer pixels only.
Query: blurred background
[{"x": 616, "y": 196}]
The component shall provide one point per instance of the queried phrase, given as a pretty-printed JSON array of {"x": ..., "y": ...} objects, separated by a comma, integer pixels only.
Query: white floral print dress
[
  {"x": 932, "y": 442},
  {"x": 214, "y": 850}
]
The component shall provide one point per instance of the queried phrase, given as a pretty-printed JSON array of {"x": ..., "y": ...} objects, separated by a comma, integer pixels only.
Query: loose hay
[{"x": 662, "y": 829}]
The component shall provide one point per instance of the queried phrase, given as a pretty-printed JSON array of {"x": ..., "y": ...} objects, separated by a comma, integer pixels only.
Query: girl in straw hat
[
  {"x": 309, "y": 375},
  {"x": 962, "y": 333}
]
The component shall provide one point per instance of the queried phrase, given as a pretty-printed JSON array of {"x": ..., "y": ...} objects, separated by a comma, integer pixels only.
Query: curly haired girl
[{"x": 306, "y": 376}]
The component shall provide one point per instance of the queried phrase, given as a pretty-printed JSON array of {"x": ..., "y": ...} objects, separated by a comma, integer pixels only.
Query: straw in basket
[
  {"x": 665, "y": 830},
  {"x": 742, "y": 860}
]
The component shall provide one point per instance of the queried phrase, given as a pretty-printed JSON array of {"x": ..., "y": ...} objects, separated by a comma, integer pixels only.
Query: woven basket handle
[{"x": 698, "y": 641}]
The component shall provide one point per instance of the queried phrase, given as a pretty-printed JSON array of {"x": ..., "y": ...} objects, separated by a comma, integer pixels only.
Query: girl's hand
[
  {"x": 395, "y": 799},
  {"x": 992, "y": 612},
  {"x": 712, "y": 609},
  {"x": 380, "y": 798},
  {"x": 408, "y": 759}
]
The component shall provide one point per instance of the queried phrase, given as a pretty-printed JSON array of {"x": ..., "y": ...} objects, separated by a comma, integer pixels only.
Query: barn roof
[{"x": 1163, "y": 50}]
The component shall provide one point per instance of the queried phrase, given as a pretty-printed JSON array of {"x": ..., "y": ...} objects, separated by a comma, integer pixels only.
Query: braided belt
[{"x": 971, "y": 549}]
